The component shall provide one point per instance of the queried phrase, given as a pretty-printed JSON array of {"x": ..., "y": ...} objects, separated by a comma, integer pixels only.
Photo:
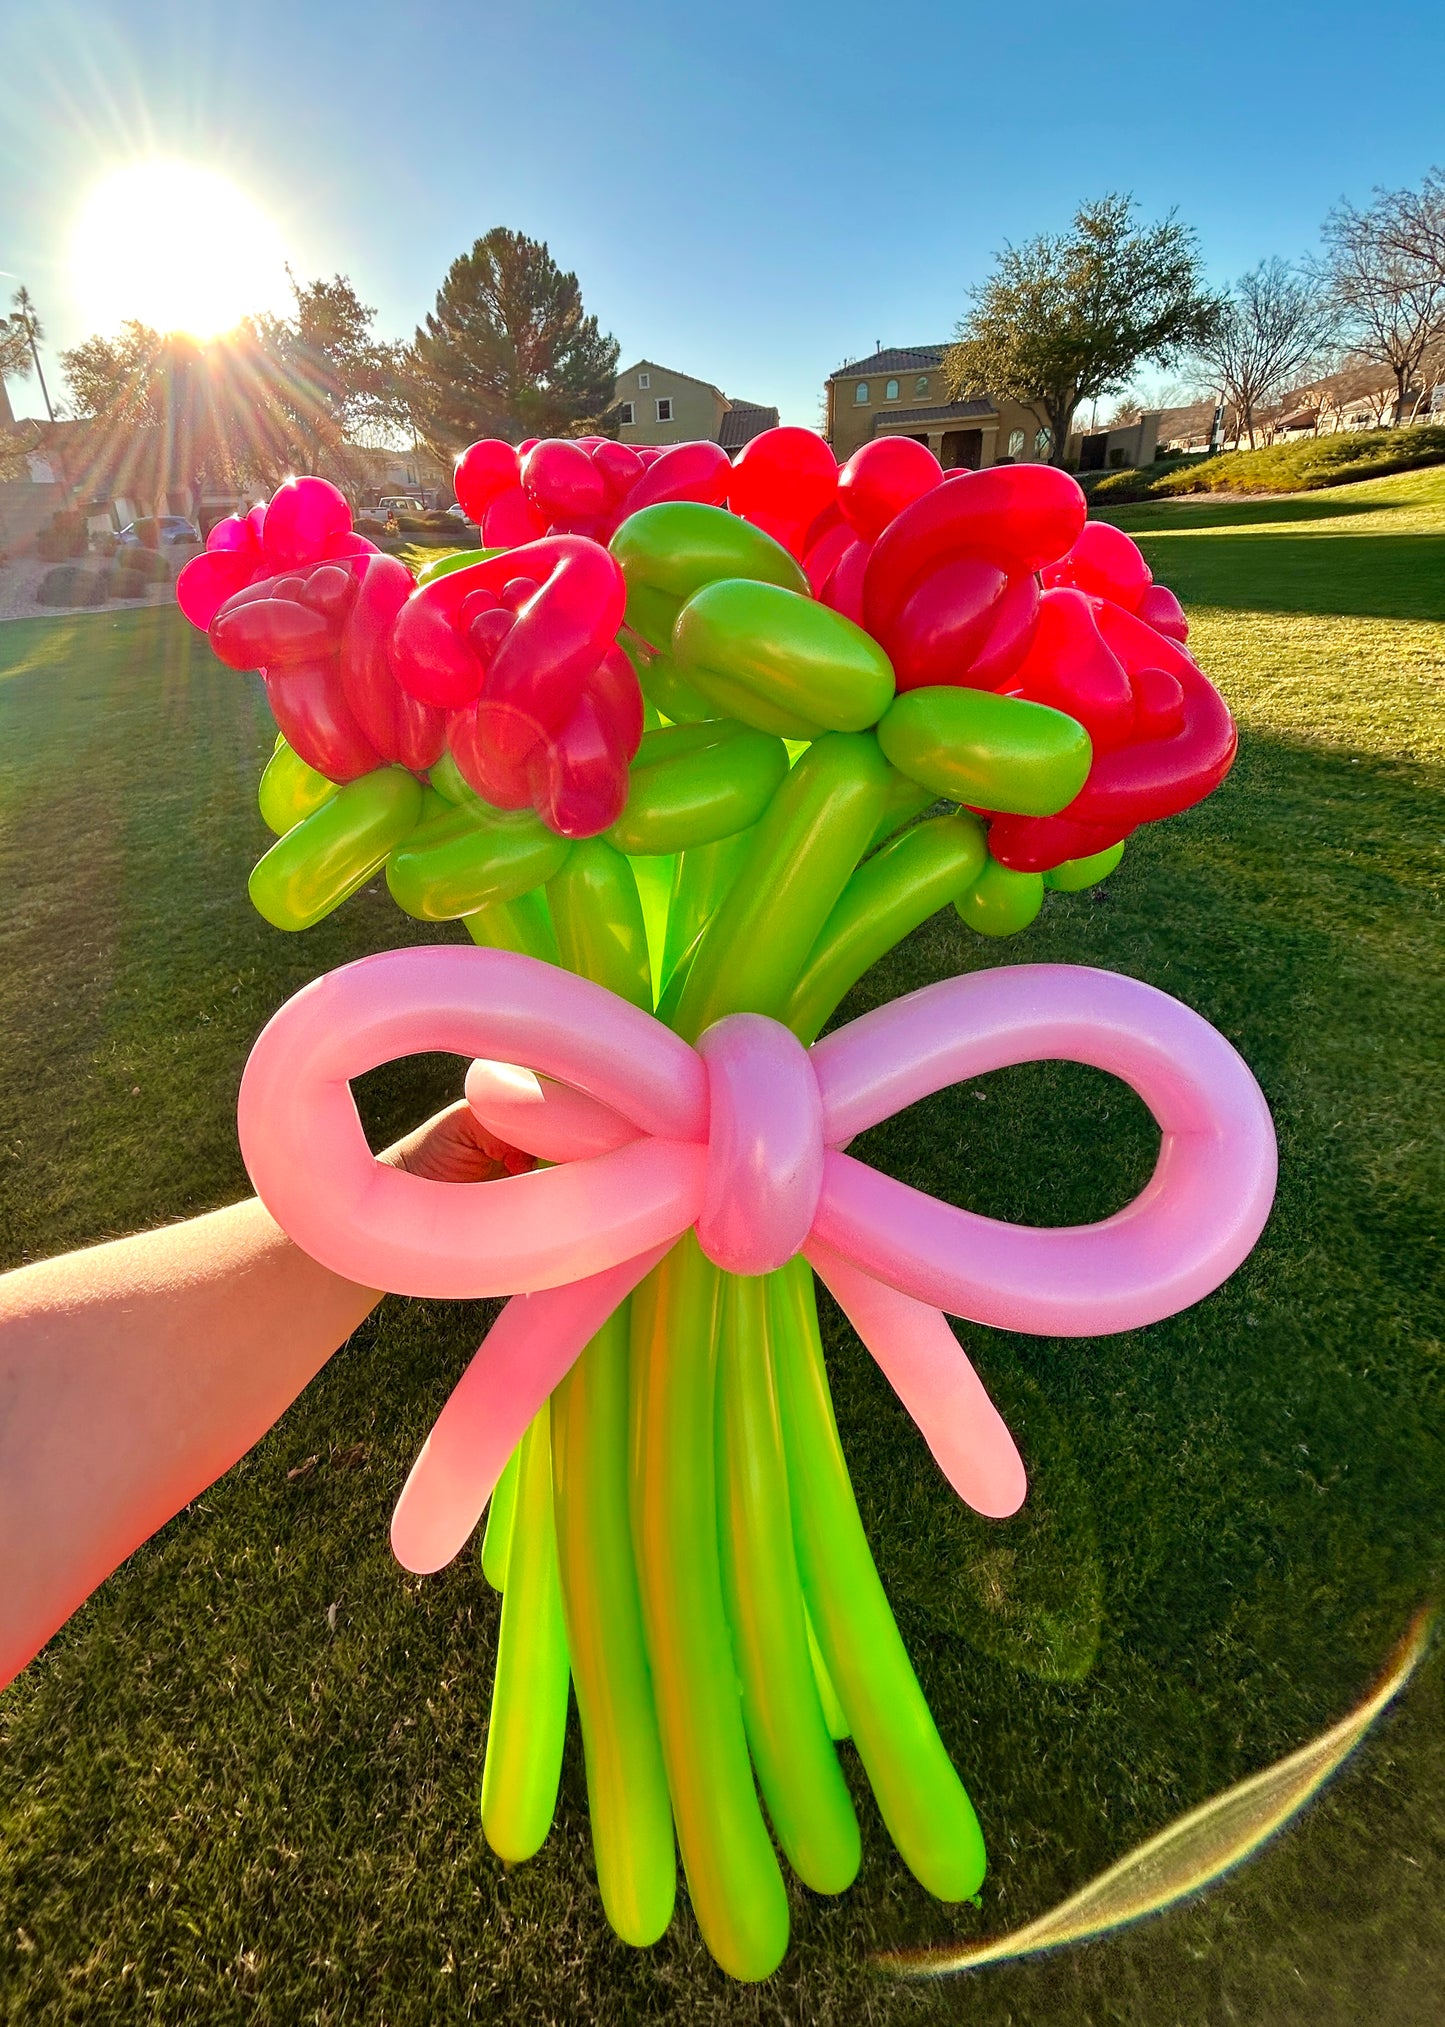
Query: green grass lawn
[{"x": 214, "y": 1808}]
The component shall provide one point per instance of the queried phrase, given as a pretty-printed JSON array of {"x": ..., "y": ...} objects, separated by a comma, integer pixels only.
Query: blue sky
[{"x": 751, "y": 193}]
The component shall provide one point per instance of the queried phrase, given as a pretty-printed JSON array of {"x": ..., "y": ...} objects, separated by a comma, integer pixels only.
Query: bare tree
[
  {"x": 1416, "y": 226},
  {"x": 1385, "y": 269},
  {"x": 1273, "y": 326}
]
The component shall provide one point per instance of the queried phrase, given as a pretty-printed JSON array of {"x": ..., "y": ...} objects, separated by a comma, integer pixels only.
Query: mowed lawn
[{"x": 216, "y": 1807}]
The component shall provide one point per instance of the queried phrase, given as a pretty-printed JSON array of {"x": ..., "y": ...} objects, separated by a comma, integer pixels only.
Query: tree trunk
[{"x": 1060, "y": 414}]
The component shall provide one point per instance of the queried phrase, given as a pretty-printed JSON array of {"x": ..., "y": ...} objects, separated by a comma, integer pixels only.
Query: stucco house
[
  {"x": 899, "y": 391},
  {"x": 656, "y": 404}
]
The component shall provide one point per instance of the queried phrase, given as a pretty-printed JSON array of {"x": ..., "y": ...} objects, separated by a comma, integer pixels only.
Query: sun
[{"x": 177, "y": 247}]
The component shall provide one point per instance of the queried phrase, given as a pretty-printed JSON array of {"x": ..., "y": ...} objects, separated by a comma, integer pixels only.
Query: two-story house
[
  {"x": 657, "y": 405},
  {"x": 899, "y": 391}
]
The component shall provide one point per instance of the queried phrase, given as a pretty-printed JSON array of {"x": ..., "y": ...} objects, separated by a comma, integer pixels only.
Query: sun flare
[{"x": 176, "y": 247}]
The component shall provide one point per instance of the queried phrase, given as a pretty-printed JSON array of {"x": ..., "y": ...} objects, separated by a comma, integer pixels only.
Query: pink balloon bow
[{"x": 740, "y": 1138}]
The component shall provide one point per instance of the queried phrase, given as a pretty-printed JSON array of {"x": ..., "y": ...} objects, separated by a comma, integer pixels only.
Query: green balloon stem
[
  {"x": 922, "y": 1800},
  {"x": 890, "y": 895},
  {"x": 627, "y": 1797},
  {"x": 528, "y": 1725},
  {"x": 733, "y": 1879},
  {"x": 523, "y": 924},
  {"x": 654, "y": 877},
  {"x": 597, "y": 914},
  {"x": 788, "y": 1735},
  {"x": 501, "y": 1513},
  {"x": 804, "y": 850}
]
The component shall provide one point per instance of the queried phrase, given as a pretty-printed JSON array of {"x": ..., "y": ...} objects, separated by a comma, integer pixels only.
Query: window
[
  {"x": 890, "y": 392},
  {"x": 1015, "y": 443},
  {"x": 920, "y": 385},
  {"x": 860, "y": 392},
  {"x": 664, "y": 410},
  {"x": 644, "y": 379},
  {"x": 626, "y": 416},
  {"x": 1043, "y": 443}
]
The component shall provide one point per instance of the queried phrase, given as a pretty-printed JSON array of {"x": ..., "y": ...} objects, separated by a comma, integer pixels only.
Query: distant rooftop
[
  {"x": 743, "y": 421},
  {"x": 893, "y": 359}
]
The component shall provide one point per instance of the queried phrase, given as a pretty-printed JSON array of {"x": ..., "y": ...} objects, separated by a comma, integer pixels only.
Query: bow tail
[
  {"x": 524, "y": 1355},
  {"x": 932, "y": 1375}
]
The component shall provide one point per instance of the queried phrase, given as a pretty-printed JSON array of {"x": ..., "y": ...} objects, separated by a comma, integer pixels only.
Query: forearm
[{"x": 131, "y": 1377}]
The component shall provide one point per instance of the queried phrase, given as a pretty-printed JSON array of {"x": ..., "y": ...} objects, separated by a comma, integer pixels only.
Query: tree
[
  {"x": 1384, "y": 267},
  {"x": 1067, "y": 317},
  {"x": 168, "y": 412},
  {"x": 1272, "y": 327},
  {"x": 21, "y": 345},
  {"x": 15, "y": 359},
  {"x": 331, "y": 381},
  {"x": 274, "y": 396},
  {"x": 508, "y": 351},
  {"x": 1417, "y": 227}
]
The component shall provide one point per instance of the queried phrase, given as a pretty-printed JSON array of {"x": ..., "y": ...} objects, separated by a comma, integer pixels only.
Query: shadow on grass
[
  {"x": 1349, "y": 576},
  {"x": 1257, "y": 510}
]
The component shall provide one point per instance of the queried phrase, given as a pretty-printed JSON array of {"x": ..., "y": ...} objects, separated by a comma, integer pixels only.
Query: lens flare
[
  {"x": 177, "y": 247},
  {"x": 1193, "y": 1851}
]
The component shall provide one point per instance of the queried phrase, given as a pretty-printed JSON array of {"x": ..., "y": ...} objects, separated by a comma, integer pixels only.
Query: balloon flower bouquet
[{"x": 686, "y": 747}]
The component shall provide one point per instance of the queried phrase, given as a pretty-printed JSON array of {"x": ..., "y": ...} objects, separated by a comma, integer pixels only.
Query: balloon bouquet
[{"x": 687, "y": 746}]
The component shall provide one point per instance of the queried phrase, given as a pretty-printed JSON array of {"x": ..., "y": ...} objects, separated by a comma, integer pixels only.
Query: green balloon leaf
[{"x": 994, "y": 753}]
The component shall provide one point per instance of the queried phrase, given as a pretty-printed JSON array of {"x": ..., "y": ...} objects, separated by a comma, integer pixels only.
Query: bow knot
[{"x": 764, "y": 1145}]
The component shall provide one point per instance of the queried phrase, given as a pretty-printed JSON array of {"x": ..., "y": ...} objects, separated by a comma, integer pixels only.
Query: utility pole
[{"x": 23, "y": 304}]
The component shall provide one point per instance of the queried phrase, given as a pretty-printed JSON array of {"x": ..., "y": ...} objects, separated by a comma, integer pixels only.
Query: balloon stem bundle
[{"x": 724, "y": 1617}]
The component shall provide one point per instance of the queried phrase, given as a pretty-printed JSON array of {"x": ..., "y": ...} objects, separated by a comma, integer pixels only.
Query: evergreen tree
[{"x": 508, "y": 351}]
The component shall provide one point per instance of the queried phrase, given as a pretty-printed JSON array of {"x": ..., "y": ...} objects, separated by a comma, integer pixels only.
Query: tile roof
[
  {"x": 894, "y": 359},
  {"x": 743, "y": 421},
  {"x": 952, "y": 411}
]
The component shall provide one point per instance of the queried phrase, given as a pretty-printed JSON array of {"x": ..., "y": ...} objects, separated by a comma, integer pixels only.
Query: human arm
[{"x": 133, "y": 1374}]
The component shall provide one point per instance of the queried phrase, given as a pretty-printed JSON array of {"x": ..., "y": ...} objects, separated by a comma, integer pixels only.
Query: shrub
[
  {"x": 123, "y": 582},
  {"x": 70, "y": 585},
  {"x": 147, "y": 564},
  {"x": 148, "y": 532},
  {"x": 63, "y": 538}
]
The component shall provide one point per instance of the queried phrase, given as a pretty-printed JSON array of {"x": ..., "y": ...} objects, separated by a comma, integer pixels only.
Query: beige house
[
  {"x": 899, "y": 391},
  {"x": 657, "y": 405}
]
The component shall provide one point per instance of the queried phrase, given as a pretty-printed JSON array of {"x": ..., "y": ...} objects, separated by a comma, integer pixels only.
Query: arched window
[
  {"x": 860, "y": 392},
  {"x": 890, "y": 392},
  {"x": 1015, "y": 443},
  {"x": 1043, "y": 442},
  {"x": 920, "y": 385}
]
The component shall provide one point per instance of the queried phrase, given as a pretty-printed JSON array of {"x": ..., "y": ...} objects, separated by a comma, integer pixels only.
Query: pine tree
[{"x": 508, "y": 351}]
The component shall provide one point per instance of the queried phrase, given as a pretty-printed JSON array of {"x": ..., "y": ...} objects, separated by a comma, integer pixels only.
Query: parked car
[
  {"x": 459, "y": 513},
  {"x": 168, "y": 528},
  {"x": 399, "y": 503}
]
